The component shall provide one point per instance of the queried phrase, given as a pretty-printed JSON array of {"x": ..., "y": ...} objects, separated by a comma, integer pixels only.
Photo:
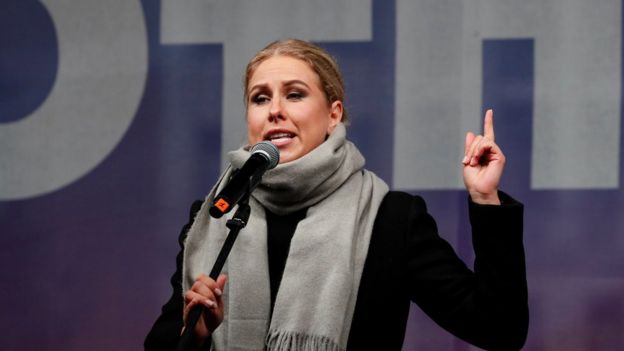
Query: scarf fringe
[{"x": 290, "y": 340}]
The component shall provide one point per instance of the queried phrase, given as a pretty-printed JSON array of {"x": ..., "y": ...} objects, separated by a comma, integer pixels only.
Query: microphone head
[{"x": 269, "y": 151}]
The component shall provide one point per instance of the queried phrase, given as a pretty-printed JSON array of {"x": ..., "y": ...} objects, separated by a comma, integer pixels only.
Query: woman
[{"x": 331, "y": 259}]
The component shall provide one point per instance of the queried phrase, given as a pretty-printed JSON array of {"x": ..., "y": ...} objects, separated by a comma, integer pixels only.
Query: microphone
[{"x": 264, "y": 156}]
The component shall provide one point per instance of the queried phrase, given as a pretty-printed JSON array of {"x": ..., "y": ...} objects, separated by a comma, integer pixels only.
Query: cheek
[
  {"x": 316, "y": 130},
  {"x": 254, "y": 129}
]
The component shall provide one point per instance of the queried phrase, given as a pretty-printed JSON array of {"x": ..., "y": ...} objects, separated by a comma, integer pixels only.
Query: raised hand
[{"x": 483, "y": 164}]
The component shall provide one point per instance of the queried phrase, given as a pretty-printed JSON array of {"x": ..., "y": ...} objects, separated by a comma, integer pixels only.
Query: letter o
[{"x": 100, "y": 81}]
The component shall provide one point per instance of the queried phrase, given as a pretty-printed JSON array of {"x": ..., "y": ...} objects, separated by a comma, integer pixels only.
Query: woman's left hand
[{"x": 483, "y": 164}]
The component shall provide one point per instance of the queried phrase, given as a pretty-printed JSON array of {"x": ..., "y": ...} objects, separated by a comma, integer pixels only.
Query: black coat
[{"x": 408, "y": 261}]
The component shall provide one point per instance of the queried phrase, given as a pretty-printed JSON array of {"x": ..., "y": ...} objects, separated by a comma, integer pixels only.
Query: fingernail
[
  {"x": 210, "y": 303},
  {"x": 465, "y": 160},
  {"x": 218, "y": 292}
]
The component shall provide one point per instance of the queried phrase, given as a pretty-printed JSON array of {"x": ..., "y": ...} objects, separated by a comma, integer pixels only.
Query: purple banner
[{"x": 114, "y": 118}]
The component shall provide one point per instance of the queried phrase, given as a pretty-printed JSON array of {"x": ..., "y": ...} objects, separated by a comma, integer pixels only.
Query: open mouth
[{"x": 279, "y": 137}]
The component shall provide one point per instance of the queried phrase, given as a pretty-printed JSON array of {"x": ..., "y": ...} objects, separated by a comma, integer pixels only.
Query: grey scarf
[{"x": 316, "y": 299}]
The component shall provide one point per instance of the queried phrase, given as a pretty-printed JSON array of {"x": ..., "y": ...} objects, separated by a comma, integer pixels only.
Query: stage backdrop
[{"x": 115, "y": 116}]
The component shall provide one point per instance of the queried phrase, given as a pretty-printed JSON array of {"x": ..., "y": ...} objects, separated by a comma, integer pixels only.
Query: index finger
[{"x": 488, "y": 125}]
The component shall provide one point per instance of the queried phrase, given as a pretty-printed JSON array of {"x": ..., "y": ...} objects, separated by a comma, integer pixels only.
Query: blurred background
[{"x": 115, "y": 116}]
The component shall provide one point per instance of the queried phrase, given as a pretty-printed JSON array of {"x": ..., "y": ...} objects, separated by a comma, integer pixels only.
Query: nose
[{"x": 275, "y": 110}]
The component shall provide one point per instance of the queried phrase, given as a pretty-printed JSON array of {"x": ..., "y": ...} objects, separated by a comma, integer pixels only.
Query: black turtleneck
[{"x": 280, "y": 230}]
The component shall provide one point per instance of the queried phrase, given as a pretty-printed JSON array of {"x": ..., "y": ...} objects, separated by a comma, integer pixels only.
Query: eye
[
  {"x": 259, "y": 99},
  {"x": 295, "y": 95}
]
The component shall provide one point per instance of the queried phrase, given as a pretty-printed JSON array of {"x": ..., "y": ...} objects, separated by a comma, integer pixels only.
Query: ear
[{"x": 335, "y": 115}]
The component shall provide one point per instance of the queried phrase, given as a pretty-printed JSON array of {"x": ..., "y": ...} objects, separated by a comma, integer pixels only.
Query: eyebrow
[
  {"x": 295, "y": 81},
  {"x": 286, "y": 83}
]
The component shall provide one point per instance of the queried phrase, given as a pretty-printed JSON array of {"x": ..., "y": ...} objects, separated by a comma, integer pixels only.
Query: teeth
[{"x": 280, "y": 135}]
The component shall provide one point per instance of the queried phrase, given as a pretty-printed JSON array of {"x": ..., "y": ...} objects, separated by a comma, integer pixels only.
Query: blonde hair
[{"x": 321, "y": 62}]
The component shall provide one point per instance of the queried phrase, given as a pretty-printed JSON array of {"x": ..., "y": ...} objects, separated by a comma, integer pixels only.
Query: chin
[
  {"x": 287, "y": 157},
  {"x": 285, "y": 160},
  {"x": 287, "y": 154}
]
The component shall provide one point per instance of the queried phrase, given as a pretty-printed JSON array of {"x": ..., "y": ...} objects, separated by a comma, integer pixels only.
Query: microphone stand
[{"x": 238, "y": 222}]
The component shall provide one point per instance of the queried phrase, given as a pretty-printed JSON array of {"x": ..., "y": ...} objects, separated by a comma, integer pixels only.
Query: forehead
[{"x": 283, "y": 68}]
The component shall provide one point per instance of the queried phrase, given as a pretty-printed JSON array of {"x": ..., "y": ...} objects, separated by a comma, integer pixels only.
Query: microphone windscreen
[{"x": 268, "y": 150}]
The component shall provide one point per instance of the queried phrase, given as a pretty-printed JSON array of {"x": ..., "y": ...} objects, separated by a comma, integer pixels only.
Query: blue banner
[{"x": 115, "y": 116}]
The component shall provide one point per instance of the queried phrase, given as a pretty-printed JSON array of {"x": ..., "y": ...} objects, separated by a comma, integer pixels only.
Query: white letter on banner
[
  {"x": 576, "y": 122},
  {"x": 244, "y": 27},
  {"x": 100, "y": 80}
]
